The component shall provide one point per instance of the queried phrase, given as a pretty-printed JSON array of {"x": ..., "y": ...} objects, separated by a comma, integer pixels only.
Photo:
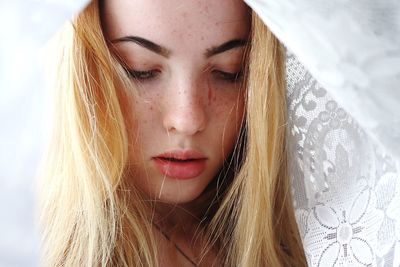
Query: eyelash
[
  {"x": 148, "y": 75},
  {"x": 143, "y": 75},
  {"x": 228, "y": 76}
]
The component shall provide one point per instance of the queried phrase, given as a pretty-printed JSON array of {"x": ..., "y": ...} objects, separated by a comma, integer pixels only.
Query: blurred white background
[{"x": 25, "y": 27}]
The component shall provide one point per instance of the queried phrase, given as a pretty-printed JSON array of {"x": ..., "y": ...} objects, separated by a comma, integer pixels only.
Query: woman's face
[{"x": 185, "y": 60}]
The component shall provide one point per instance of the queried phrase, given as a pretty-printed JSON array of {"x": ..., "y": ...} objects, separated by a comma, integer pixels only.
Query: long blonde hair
[{"x": 89, "y": 218}]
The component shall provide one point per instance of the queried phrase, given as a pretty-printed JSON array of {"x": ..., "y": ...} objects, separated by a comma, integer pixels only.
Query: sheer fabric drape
[{"x": 344, "y": 125}]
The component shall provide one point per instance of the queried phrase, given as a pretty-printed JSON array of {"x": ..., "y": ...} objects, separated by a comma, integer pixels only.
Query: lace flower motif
[
  {"x": 333, "y": 115},
  {"x": 339, "y": 238},
  {"x": 393, "y": 212}
]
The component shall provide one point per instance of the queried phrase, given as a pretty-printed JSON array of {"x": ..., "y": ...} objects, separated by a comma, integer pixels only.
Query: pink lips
[{"x": 181, "y": 164}]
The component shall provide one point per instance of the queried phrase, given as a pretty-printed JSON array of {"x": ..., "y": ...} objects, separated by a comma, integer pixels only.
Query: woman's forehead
[{"x": 173, "y": 22}]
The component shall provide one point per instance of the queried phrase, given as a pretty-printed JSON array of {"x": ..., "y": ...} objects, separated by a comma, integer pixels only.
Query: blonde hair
[
  {"x": 263, "y": 231},
  {"x": 89, "y": 218}
]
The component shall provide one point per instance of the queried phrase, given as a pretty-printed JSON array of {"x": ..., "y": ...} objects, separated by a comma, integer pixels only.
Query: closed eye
[
  {"x": 228, "y": 76},
  {"x": 218, "y": 74},
  {"x": 143, "y": 75}
]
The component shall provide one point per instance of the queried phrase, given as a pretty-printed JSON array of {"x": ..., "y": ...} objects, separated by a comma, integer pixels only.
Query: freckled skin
[{"x": 187, "y": 105}]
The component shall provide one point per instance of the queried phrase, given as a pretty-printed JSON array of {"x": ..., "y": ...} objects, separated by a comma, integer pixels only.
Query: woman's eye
[
  {"x": 143, "y": 75},
  {"x": 228, "y": 76}
]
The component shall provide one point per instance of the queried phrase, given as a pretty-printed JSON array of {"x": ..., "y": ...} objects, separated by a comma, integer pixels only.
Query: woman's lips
[{"x": 181, "y": 164}]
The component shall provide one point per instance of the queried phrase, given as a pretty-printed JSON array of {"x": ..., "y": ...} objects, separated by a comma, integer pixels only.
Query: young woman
[{"x": 169, "y": 145}]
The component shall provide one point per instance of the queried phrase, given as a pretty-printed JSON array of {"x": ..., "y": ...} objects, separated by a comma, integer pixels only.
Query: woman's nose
[{"x": 185, "y": 111}]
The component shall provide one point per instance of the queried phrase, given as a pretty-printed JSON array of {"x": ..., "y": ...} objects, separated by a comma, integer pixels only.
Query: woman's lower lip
[{"x": 181, "y": 170}]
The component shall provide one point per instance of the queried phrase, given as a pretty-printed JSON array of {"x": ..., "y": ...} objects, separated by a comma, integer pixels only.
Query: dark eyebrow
[
  {"x": 144, "y": 43},
  {"x": 225, "y": 46}
]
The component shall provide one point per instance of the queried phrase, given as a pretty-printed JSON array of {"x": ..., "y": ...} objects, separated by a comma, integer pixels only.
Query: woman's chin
[{"x": 179, "y": 197}]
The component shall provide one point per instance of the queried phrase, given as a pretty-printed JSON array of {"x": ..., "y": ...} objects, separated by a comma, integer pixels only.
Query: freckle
[{"x": 202, "y": 38}]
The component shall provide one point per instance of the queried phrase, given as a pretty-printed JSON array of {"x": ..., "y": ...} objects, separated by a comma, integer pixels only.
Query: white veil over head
[
  {"x": 344, "y": 125},
  {"x": 343, "y": 130}
]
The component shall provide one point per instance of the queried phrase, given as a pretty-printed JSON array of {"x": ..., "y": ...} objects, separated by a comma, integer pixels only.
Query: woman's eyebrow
[
  {"x": 158, "y": 49},
  {"x": 225, "y": 46}
]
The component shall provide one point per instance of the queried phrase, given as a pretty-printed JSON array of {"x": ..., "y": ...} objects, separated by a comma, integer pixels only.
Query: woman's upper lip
[{"x": 182, "y": 154}]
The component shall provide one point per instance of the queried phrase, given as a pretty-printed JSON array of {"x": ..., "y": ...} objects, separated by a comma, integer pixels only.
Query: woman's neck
[
  {"x": 183, "y": 226},
  {"x": 179, "y": 227},
  {"x": 171, "y": 217}
]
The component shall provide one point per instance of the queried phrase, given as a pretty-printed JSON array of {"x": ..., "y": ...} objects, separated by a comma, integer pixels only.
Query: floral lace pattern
[
  {"x": 346, "y": 188},
  {"x": 352, "y": 48}
]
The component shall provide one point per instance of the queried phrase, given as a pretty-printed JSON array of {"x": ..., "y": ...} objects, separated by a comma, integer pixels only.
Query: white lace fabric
[
  {"x": 344, "y": 125},
  {"x": 346, "y": 188},
  {"x": 353, "y": 49}
]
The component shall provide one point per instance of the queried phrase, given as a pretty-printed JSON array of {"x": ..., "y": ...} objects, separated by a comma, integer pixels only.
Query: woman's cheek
[
  {"x": 228, "y": 116},
  {"x": 228, "y": 104}
]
